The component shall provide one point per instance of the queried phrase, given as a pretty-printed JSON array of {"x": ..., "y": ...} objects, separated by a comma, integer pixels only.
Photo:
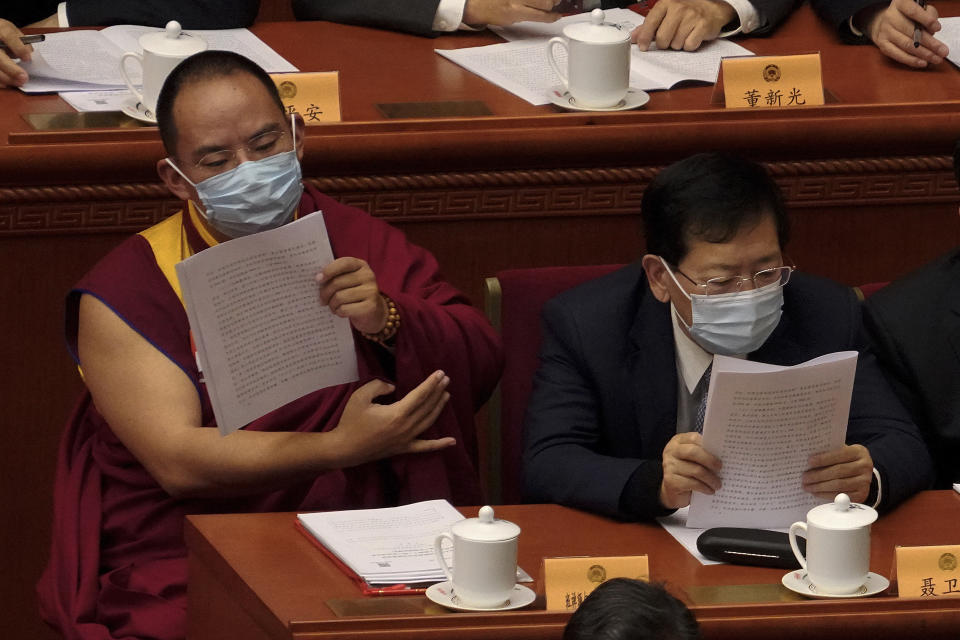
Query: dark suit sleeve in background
[
  {"x": 191, "y": 14},
  {"x": 411, "y": 16},
  {"x": 837, "y": 14},
  {"x": 562, "y": 462},
  {"x": 879, "y": 421}
]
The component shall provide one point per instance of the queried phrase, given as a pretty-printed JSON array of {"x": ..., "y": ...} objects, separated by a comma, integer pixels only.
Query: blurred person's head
[{"x": 626, "y": 609}]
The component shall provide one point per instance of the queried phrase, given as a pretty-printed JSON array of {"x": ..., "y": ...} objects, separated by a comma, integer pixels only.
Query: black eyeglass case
[{"x": 757, "y": 547}]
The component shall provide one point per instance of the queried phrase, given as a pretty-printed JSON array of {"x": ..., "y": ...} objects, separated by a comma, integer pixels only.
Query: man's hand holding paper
[
  {"x": 349, "y": 287},
  {"x": 687, "y": 467},
  {"x": 846, "y": 470}
]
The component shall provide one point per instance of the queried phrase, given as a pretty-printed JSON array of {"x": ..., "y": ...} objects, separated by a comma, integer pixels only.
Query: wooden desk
[{"x": 256, "y": 577}]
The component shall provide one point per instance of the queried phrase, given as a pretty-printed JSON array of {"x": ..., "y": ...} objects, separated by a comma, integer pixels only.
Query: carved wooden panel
[{"x": 611, "y": 191}]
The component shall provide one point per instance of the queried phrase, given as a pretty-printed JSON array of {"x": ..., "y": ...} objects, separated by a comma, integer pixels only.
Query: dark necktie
[{"x": 702, "y": 409}]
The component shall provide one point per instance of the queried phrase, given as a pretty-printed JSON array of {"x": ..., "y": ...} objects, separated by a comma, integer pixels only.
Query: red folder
[{"x": 365, "y": 587}]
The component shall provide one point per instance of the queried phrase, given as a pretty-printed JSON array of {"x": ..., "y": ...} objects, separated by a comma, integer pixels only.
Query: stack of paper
[{"x": 387, "y": 546}]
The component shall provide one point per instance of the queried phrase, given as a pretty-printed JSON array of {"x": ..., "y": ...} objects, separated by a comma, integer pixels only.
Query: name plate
[
  {"x": 567, "y": 581},
  {"x": 928, "y": 572},
  {"x": 315, "y": 96},
  {"x": 772, "y": 82}
]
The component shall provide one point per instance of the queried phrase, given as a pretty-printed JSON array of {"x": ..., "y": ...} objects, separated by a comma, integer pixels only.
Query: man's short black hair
[
  {"x": 711, "y": 197},
  {"x": 626, "y": 609},
  {"x": 203, "y": 67}
]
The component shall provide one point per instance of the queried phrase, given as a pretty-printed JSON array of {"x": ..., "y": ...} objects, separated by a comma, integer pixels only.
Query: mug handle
[
  {"x": 553, "y": 43},
  {"x": 123, "y": 72},
  {"x": 798, "y": 526},
  {"x": 438, "y": 551}
]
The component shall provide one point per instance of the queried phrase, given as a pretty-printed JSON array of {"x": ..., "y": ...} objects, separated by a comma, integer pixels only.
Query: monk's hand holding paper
[
  {"x": 687, "y": 467},
  {"x": 848, "y": 470},
  {"x": 891, "y": 28},
  {"x": 10, "y": 74},
  {"x": 683, "y": 24},
  {"x": 505, "y": 12},
  {"x": 349, "y": 287},
  {"x": 370, "y": 431}
]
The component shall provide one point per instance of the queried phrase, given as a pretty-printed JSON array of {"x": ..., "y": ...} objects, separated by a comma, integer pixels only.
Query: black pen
[
  {"x": 916, "y": 25},
  {"x": 34, "y": 39}
]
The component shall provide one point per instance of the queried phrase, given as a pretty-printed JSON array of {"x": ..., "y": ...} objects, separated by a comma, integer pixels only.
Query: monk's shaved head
[{"x": 201, "y": 68}]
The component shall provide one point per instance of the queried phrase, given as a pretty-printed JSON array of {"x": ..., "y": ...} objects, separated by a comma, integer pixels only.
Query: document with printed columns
[
  {"x": 764, "y": 422},
  {"x": 262, "y": 336}
]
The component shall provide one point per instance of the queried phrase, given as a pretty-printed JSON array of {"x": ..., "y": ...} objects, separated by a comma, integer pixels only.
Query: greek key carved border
[{"x": 601, "y": 191}]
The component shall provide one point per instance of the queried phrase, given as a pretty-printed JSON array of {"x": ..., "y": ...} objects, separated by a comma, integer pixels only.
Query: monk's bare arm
[{"x": 153, "y": 408}]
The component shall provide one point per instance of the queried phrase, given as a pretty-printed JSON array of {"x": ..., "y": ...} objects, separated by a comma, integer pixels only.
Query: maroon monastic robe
[{"x": 118, "y": 563}]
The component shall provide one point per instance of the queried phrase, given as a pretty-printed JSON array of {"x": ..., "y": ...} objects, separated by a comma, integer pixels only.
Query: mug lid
[
  {"x": 485, "y": 528},
  {"x": 596, "y": 31},
  {"x": 172, "y": 42},
  {"x": 841, "y": 514}
]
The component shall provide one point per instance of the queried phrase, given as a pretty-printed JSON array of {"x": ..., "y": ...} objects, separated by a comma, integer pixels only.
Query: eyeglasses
[
  {"x": 262, "y": 146},
  {"x": 732, "y": 284}
]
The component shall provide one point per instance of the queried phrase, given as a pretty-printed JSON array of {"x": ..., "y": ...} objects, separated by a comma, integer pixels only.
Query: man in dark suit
[
  {"x": 677, "y": 24},
  {"x": 612, "y": 421},
  {"x": 889, "y": 24},
  {"x": 915, "y": 324},
  {"x": 192, "y": 14}
]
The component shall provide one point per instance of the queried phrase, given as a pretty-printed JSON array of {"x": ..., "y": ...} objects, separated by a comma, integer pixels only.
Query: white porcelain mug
[
  {"x": 598, "y": 62},
  {"x": 162, "y": 51},
  {"x": 484, "y": 560},
  {"x": 838, "y": 545}
]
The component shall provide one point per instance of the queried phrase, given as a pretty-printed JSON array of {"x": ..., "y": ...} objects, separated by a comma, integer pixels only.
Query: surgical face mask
[
  {"x": 253, "y": 196},
  {"x": 736, "y": 323}
]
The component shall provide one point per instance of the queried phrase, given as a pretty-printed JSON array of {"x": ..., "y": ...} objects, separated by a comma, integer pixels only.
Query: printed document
[
  {"x": 949, "y": 35},
  {"x": 387, "y": 546},
  {"x": 764, "y": 422},
  {"x": 90, "y": 60},
  {"x": 262, "y": 336},
  {"x": 393, "y": 545},
  {"x": 521, "y": 67}
]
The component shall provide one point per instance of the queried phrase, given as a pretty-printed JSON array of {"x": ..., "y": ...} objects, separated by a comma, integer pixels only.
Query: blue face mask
[
  {"x": 733, "y": 324},
  {"x": 253, "y": 196}
]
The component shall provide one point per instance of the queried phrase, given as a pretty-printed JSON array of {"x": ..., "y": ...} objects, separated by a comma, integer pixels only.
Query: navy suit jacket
[
  {"x": 915, "y": 324},
  {"x": 192, "y": 14},
  {"x": 837, "y": 14},
  {"x": 416, "y": 16},
  {"x": 604, "y": 400}
]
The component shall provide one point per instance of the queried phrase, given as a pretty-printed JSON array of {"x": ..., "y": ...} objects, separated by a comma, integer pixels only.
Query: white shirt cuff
[
  {"x": 62, "y": 15},
  {"x": 876, "y": 474},
  {"x": 749, "y": 18},
  {"x": 449, "y": 15}
]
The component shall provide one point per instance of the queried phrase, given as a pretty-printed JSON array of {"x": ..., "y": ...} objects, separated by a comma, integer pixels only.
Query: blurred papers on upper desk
[
  {"x": 86, "y": 60},
  {"x": 520, "y": 66},
  {"x": 949, "y": 34}
]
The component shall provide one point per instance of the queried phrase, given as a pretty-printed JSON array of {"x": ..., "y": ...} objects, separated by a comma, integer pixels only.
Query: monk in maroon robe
[{"x": 141, "y": 450}]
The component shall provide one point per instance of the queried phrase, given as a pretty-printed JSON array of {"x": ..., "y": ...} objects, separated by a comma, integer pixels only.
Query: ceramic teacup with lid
[
  {"x": 484, "y": 559},
  {"x": 597, "y": 73},
  {"x": 838, "y": 545},
  {"x": 162, "y": 51}
]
